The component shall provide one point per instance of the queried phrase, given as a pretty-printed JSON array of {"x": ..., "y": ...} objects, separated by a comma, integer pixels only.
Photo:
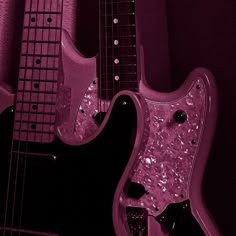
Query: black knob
[
  {"x": 135, "y": 190},
  {"x": 180, "y": 116}
]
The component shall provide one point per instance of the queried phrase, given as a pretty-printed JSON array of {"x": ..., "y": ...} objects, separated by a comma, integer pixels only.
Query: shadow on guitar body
[{"x": 57, "y": 189}]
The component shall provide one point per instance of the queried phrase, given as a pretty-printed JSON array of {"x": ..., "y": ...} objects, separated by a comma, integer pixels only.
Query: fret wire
[
  {"x": 118, "y": 2},
  {"x": 37, "y": 92},
  {"x": 34, "y": 131},
  {"x": 37, "y": 68},
  {"x": 40, "y": 42},
  {"x": 43, "y": 27},
  {"x": 37, "y": 80},
  {"x": 37, "y": 113},
  {"x": 118, "y": 14},
  {"x": 36, "y": 103},
  {"x": 34, "y": 122},
  {"x": 39, "y": 55},
  {"x": 43, "y": 12}
]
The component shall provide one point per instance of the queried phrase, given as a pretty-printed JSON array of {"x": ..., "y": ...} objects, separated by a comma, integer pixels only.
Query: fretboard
[
  {"x": 38, "y": 71},
  {"x": 117, "y": 59}
]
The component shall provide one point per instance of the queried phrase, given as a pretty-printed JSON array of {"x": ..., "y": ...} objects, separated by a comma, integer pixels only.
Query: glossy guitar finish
[
  {"x": 53, "y": 188},
  {"x": 170, "y": 165}
]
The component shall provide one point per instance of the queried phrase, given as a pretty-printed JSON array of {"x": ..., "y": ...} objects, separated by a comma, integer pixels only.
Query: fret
[
  {"x": 118, "y": 37},
  {"x": 108, "y": 84},
  {"x": 124, "y": 25},
  {"x": 43, "y": 6},
  {"x": 116, "y": 2},
  {"x": 119, "y": 8},
  {"x": 32, "y": 80},
  {"x": 33, "y": 127},
  {"x": 120, "y": 66},
  {"x": 36, "y": 108},
  {"x": 36, "y": 97},
  {"x": 33, "y": 137},
  {"x": 41, "y": 47},
  {"x": 44, "y": 12},
  {"x": 112, "y": 72},
  {"x": 36, "y": 103},
  {"x": 38, "y": 62},
  {"x": 42, "y": 27},
  {"x": 38, "y": 68},
  {"x": 111, "y": 75},
  {"x": 119, "y": 87},
  {"x": 37, "y": 86},
  {"x": 50, "y": 113},
  {"x": 123, "y": 57},
  {"x": 24, "y": 123},
  {"x": 36, "y": 92},
  {"x": 37, "y": 75},
  {"x": 120, "y": 47},
  {"x": 41, "y": 109},
  {"x": 118, "y": 15},
  {"x": 39, "y": 55},
  {"x": 116, "y": 31},
  {"x": 116, "y": 51},
  {"x": 40, "y": 129},
  {"x": 40, "y": 42},
  {"x": 34, "y": 117},
  {"x": 41, "y": 35}
]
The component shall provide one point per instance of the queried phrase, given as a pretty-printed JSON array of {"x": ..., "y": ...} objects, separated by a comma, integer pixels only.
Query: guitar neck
[
  {"x": 38, "y": 71},
  {"x": 117, "y": 58}
]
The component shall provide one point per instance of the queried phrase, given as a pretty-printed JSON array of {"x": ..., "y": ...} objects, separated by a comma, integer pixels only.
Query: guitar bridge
[{"x": 137, "y": 221}]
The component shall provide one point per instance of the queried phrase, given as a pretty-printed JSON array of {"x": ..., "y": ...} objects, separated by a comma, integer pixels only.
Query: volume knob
[{"x": 180, "y": 116}]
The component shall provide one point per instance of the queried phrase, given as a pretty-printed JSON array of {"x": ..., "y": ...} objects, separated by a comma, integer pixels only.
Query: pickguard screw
[{"x": 193, "y": 141}]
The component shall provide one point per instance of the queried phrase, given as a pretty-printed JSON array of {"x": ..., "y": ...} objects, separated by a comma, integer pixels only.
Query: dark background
[{"x": 200, "y": 33}]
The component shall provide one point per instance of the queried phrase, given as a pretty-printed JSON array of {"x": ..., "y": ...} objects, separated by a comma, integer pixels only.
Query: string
[
  {"x": 28, "y": 124},
  {"x": 18, "y": 131},
  {"x": 100, "y": 55},
  {"x": 30, "y": 104},
  {"x": 12, "y": 145}
]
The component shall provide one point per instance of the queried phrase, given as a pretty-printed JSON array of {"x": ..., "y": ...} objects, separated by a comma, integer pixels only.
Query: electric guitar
[
  {"x": 159, "y": 192},
  {"x": 49, "y": 187}
]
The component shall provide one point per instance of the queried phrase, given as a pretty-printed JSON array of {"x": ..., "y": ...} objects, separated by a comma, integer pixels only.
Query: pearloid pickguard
[
  {"x": 166, "y": 159},
  {"x": 166, "y": 164}
]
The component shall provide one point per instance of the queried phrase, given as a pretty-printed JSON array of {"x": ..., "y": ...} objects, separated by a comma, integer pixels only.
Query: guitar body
[
  {"x": 57, "y": 189},
  {"x": 159, "y": 192}
]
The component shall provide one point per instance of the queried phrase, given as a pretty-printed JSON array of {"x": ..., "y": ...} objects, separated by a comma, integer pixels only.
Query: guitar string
[
  {"x": 33, "y": 134},
  {"x": 28, "y": 124},
  {"x": 19, "y": 154},
  {"x": 99, "y": 53},
  {"x": 12, "y": 154},
  {"x": 106, "y": 53},
  {"x": 40, "y": 76},
  {"x": 25, "y": 156}
]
